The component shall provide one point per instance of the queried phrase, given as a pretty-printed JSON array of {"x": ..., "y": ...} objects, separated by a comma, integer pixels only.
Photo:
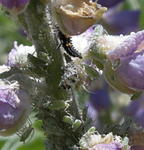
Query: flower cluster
[
  {"x": 14, "y": 107},
  {"x": 15, "y": 89},
  {"x": 124, "y": 67},
  {"x": 92, "y": 141},
  {"x": 18, "y": 55}
]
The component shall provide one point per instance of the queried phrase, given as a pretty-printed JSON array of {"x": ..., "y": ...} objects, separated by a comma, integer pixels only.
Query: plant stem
[{"x": 37, "y": 21}]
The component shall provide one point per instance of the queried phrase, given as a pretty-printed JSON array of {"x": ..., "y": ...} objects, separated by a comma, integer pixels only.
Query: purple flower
[
  {"x": 131, "y": 71},
  {"x": 92, "y": 113},
  {"x": 111, "y": 146},
  {"x": 18, "y": 55},
  {"x": 14, "y": 107},
  {"x": 83, "y": 42},
  {"x": 99, "y": 99},
  {"x": 109, "y": 3},
  {"x": 125, "y": 57},
  {"x": 136, "y": 110},
  {"x": 120, "y": 22},
  {"x": 92, "y": 141},
  {"x": 131, "y": 45},
  {"x": 14, "y": 6},
  {"x": 124, "y": 69}
]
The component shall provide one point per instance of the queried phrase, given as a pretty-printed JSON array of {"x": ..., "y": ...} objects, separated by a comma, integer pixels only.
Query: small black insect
[{"x": 68, "y": 46}]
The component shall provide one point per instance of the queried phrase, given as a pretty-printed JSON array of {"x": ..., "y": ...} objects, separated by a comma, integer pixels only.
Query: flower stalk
[{"x": 52, "y": 104}]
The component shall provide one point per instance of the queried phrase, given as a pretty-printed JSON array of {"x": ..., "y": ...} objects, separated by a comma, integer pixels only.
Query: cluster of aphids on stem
[{"x": 70, "y": 76}]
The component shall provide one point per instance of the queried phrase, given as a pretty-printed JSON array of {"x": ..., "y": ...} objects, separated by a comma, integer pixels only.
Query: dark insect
[{"x": 68, "y": 46}]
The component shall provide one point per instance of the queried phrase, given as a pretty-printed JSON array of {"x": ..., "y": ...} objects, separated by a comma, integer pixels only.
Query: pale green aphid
[
  {"x": 26, "y": 132},
  {"x": 68, "y": 119},
  {"x": 77, "y": 123}
]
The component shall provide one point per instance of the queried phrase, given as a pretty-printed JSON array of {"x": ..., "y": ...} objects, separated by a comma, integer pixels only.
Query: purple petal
[
  {"x": 18, "y": 55},
  {"x": 131, "y": 71},
  {"x": 120, "y": 22},
  {"x": 128, "y": 47},
  {"x": 99, "y": 99},
  {"x": 109, "y": 3},
  {"x": 14, "y": 108},
  {"x": 136, "y": 110},
  {"x": 110, "y": 146}
]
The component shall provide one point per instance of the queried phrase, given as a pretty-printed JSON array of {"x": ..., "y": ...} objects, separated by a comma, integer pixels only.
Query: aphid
[
  {"x": 26, "y": 132},
  {"x": 67, "y": 45}
]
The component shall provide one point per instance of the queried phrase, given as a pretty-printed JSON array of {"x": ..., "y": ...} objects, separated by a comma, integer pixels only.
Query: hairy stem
[{"x": 37, "y": 21}]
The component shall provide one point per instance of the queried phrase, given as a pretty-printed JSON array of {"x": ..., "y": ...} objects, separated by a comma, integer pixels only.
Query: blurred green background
[
  {"x": 34, "y": 142},
  {"x": 10, "y": 31}
]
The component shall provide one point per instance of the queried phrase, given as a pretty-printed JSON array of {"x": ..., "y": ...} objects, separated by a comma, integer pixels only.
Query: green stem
[{"x": 37, "y": 21}]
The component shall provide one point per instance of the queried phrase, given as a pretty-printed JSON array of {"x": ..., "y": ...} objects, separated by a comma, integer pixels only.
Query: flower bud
[
  {"x": 75, "y": 16},
  {"x": 14, "y": 107},
  {"x": 15, "y": 6},
  {"x": 18, "y": 55}
]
